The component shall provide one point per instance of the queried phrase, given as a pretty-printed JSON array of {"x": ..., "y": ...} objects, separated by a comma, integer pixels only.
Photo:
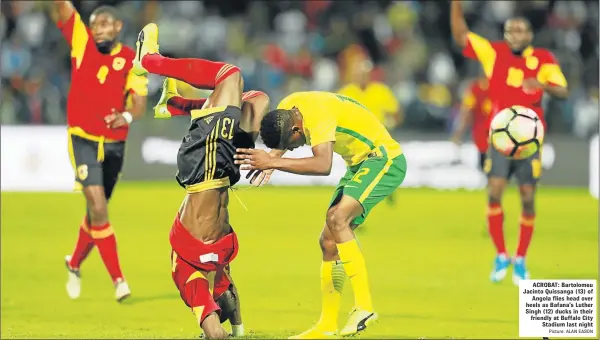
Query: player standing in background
[
  {"x": 376, "y": 96},
  {"x": 202, "y": 240},
  {"x": 518, "y": 74},
  {"x": 104, "y": 99},
  {"x": 331, "y": 123},
  {"x": 474, "y": 112}
]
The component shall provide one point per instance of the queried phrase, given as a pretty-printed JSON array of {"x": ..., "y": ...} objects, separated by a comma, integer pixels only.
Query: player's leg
[
  {"x": 195, "y": 288},
  {"x": 172, "y": 104},
  {"x": 374, "y": 181},
  {"x": 527, "y": 174},
  {"x": 200, "y": 73},
  {"x": 227, "y": 297},
  {"x": 107, "y": 246},
  {"x": 498, "y": 169},
  {"x": 88, "y": 177},
  {"x": 333, "y": 277}
]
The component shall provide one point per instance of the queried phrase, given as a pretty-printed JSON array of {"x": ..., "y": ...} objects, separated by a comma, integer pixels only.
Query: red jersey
[
  {"x": 506, "y": 72},
  {"x": 480, "y": 106},
  {"x": 99, "y": 82}
]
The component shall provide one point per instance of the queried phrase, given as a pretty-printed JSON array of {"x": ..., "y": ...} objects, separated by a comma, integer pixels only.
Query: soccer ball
[{"x": 517, "y": 132}]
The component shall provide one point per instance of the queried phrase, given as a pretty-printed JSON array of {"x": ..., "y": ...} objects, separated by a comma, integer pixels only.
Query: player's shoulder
[
  {"x": 378, "y": 86},
  {"x": 544, "y": 55},
  {"x": 298, "y": 98},
  {"x": 126, "y": 52}
]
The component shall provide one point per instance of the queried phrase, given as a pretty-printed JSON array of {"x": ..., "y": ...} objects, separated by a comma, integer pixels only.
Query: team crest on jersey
[
  {"x": 118, "y": 63},
  {"x": 532, "y": 62},
  {"x": 207, "y": 120},
  {"x": 82, "y": 172}
]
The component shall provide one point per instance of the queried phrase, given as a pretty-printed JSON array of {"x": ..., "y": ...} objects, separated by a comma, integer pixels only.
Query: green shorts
[{"x": 370, "y": 182}]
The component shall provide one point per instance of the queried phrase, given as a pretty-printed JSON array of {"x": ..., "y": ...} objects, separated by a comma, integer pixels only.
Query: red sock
[
  {"x": 495, "y": 226},
  {"x": 526, "y": 233},
  {"x": 84, "y": 246},
  {"x": 179, "y": 106},
  {"x": 200, "y": 73},
  {"x": 105, "y": 240}
]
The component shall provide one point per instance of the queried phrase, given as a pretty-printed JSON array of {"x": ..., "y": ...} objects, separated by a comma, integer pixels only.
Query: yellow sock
[
  {"x": 356, "y": 269},
  {"x": 332, "y": 283}
]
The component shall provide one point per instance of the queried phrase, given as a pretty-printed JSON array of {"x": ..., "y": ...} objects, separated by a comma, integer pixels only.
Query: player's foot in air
[
  {"x": 315, "y": 333},
  {"x": 519, "y": 270},
  {"x": 359, "y": 321},
  {"x": 501, "y": 264},
  {"x": 147, "y": 43},
  {"x": 74, "y": 280},
  {"x": 169, "y": 90},
  {"x": 122, "y": 290}
]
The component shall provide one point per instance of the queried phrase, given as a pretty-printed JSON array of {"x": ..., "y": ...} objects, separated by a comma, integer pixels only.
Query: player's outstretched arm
[
  {"x": 458, "y": 24},
  {"x": 62, "y": 10},
  {"x": 317, "y": 165}
]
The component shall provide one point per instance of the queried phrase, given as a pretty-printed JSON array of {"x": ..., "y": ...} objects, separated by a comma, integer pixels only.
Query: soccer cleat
[
  {"x": 74, "y": 280},
  {"x": 359, "y": 321},
  {"x": 501, "y": 264},
  {"x": 147, "y": 43},
  {"x": 315, "y": 333},
  {"x": 169, "y": 90},
  {"x": 519, "y": 270},
  {"x": 122, "y": 290}
]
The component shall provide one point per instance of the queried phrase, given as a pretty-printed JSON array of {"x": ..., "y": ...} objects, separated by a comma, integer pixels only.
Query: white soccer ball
[{"x": 517, "y": 132}]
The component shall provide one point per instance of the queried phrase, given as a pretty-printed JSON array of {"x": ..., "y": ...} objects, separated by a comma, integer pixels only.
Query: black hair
[
  {"x": 275, "y": 127},
  {"x": 524, "y": 20},
  {"x": 110, "y": 10}
]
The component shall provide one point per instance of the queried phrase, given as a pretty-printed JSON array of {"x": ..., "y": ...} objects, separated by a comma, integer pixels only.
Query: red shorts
[{"x": 201, "y": 271}]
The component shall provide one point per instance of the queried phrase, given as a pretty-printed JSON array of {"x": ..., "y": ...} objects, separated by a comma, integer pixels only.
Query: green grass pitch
[{"x": 428, "y": 257}]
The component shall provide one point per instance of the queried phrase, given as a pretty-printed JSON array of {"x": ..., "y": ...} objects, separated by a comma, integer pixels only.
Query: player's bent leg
[
  {"x": 339, "y": 220},
  {"x": 495, "y": 216},
  {"x": 227, "y": 298},
  {"x": 527, "y": 193},
  {"x": 83, "y": 247}
]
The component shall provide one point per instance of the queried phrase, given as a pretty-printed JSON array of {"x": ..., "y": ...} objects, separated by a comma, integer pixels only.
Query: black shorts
[
  {"x": 526, "y": 171},
  {"x": 205, "y": 158},
  {"x": 93, "y": 170}
]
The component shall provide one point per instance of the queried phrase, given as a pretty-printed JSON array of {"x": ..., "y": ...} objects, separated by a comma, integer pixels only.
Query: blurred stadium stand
[{"x": 286, "y": 46}]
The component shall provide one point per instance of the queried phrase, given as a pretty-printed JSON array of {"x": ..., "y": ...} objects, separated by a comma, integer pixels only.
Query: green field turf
[{"x": 428, "y": 258}]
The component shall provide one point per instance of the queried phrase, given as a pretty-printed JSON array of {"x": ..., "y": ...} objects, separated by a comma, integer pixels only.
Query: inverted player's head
[
  {"x": 518, "y": 34},
  {"x": 105, "y": 25},
  {"x": 282, "y": 129}
]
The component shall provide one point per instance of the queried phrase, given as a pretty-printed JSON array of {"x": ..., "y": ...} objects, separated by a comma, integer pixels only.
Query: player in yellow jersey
[{"x": 331, "y": 123}]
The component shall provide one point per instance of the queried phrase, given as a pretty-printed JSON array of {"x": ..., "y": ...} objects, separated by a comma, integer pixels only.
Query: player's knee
[
  {"x": 494, "y": 199},
  {"x": 98, "y": 212},
  {"x": 231, "y": 76},
  {"x": 212, "y": 327},
  {"x": 337, "y": 219},
  {"x": 327, "y": 245}
]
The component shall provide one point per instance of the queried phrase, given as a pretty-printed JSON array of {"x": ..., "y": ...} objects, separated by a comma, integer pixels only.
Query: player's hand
[
  {"x": 253, "y": 159},
  {"x": 532, "y": 85},
  {"x": 258, "y": 177},
  {"x": 115, "y": 120}
]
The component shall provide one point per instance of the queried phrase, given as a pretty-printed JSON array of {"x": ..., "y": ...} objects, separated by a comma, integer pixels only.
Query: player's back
[
  {"x": 205, "y": 158},
  {"x": 358, "y": 132}
]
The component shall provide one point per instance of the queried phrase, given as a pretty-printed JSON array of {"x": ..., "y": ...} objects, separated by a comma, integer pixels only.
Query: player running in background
[
  {"x": 474, "y": 112},
  {"x": 518, "y": 74},
  {"x": 331, "y": 123},
  {"x": 202, "y": 240},
  {"x": 104, "y": 99}
]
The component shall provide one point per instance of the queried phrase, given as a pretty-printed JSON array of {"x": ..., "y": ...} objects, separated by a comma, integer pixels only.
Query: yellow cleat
[
  {"x": 169, "y": 90},
  {"x": 147, "y": 43},
  {"x": 315, "y": 333},
  {"x": 359, "y": 321}
]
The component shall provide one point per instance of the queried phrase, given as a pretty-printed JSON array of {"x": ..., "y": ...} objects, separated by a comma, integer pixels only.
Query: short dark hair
[
  {"x": 110, "y": 10},
  {"x": 275, "y": 127},
  {"x": 525, "y": 21}
]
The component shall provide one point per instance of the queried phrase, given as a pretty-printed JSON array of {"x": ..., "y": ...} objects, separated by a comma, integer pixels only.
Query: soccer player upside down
[
  {"x": 202, "y": 240},
  {"x": 102, "y": 89},
  {"x": 331, "y": 123}
]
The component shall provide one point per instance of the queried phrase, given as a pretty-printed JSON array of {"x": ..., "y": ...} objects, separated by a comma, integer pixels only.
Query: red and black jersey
[{"x": 99, "y": 82}]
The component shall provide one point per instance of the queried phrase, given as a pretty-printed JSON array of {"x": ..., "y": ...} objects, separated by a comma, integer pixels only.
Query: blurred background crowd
[{"x": 287, "y": 46}]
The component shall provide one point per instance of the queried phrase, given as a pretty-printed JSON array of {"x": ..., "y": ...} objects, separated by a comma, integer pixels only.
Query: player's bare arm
[
  {"x": 465, "y": 118},
  {"x": 62, "y": 10},
  {"x": 557, "y": 91},
  {"x": 317, "y": 165},
  {"x": 136, "y": 110},
  {"x": 458, "y": 25},
  {"x": 253, "y": 110}
]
